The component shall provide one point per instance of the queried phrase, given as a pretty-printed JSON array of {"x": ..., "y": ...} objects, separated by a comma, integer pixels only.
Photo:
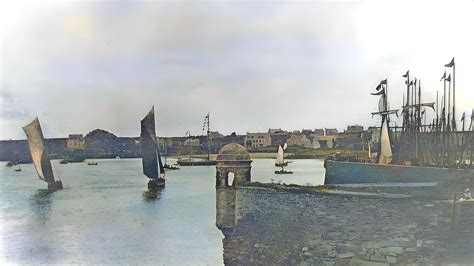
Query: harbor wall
[{"x": 264, "y": 226}]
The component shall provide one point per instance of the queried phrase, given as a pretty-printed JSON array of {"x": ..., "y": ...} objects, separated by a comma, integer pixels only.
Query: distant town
[{"x": 103, "y": 144}]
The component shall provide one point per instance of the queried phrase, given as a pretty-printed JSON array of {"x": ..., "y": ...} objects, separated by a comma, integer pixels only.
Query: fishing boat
[
  {"x": 18, "y": 169},
  {"x": 416, "y": 151},
  {"x": 10, "y": 164},
  {"x": 280, "y": 156},
  {"x": 92, "y": 162},
  {"x": 151, "y": 160},
  {"x": 40, "y": 155},
  {"x": 280, "y": 162},
  {"x": 198, "y": 161},
  {"x": 166, "y": 165}
]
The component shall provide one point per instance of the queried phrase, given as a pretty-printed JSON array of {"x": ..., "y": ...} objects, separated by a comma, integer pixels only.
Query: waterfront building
[
  {"x": 75, "y": 142},
  {"x": 300, "y": 140},
  {"x": 330, "y": 131},
  {"x": 325, "y": 142},
  {"x": 258, "y": 140},
  {"x": 354, "y": 129},
  {"x": 319, "y": 132}
]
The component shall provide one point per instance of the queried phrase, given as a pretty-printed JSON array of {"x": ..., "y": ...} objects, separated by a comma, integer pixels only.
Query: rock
[
  {"x": 396, "y": 250},
  {"x": 332, "y": 253},
  {"x": 391, "y": 259},
  {"x": 345, "y": 255},
  {"x": 429, "y": 205},
  {"x": 327, "y": 263},
  {"x": 342, "y": 262},
  {"x": 305, "y": 249},
  {"x": 359, "y": 262},
  {"x": 377, "y": 257}
]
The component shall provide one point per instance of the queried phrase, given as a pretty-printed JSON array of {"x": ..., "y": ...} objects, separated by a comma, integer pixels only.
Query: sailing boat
[
  {"x": 195, "y": 161},
  {"x": 39, "y": 154},
  {"x": 18, "y": 169},
  {"x": 151, "y": 161},
  {"x": 280, "y": 161},
  {"x": 166, "y": 165}
]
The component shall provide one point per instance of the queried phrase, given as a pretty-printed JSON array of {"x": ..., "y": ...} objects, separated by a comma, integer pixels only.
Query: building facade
[{"x": 258, "y": 140}]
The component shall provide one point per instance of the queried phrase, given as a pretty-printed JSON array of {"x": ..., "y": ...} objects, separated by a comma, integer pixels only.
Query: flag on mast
[
  {"x": 450, "y": 64},
  {"x": 407, "y": 74},
  {"x": 444, "y": 76}
]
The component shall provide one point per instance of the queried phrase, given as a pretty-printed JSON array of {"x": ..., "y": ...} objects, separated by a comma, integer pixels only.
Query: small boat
[
  {"x": 280, "y": 157},
  {"x": 151, "y": 160},
  {"x": 117, "y": 158},
  {"x": 283, "y": 172},
  {"x": 64, "y": 161},
  {"x": 40, "y": 155},
  {"x": 170, "y": 167},
  {"x": 10, "y": 164},
  {"x": 280, "y": 162},
  {"x": 92, "y": 162},
  {"x": 18, "y": 169}
]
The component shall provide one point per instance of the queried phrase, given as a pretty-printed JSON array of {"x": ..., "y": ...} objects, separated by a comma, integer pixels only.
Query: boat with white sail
[
  {"x": 280, "y": 161},
  {"x": 40, "y": 155}
]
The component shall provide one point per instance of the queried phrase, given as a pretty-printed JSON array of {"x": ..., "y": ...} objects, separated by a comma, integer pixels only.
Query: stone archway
[{"x": 233, "y": 158}]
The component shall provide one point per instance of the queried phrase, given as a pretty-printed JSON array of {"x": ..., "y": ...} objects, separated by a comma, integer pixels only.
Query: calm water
[{"x": 104, "y": 216}]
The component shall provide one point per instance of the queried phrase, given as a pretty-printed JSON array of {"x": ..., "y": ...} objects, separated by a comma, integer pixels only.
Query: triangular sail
[
  {"x": 279, "y": 159},
  {"x": 38, "y": 151},
  {"x": 385, "y": 146},
  {"x": 151, "y": 162}
]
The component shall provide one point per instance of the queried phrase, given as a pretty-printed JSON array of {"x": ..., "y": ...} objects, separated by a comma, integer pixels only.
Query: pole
[{"x": 454, "y": 96}]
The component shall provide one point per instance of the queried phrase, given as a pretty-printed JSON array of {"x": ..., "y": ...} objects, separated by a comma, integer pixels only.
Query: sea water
[{"x": 105, "y": 215}]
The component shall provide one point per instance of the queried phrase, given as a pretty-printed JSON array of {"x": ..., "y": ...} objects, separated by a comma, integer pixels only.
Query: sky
[{"x": 253, "y": 65}]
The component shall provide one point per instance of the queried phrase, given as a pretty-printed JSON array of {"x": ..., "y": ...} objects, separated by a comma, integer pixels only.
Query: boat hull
[
  {"x": 156, "y": 183},
  {"x": 281, "y": 164},
  {"x": 55, "y": 185},
  {"x": 196, "y": 163},
  {"x": 353, "y": 173}
]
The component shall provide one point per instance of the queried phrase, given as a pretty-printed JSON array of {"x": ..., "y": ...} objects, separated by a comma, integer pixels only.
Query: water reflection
[
  {"x": 152, "y": 195},
  {"x": 41, "y": 203}
]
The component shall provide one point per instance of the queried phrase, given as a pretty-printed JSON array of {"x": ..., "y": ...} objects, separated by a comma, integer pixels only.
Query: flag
[
  {"x": 463, "y": 116},
  {"x": 384, "y": 82},
  {"x": 444, "y": 76},
  {"x": 379, "y": 87},
  {"x": 407, "y": 74},
  {"x": 415, "y": 82},
  {"x": 450, "y": 64},
  {"x": 448, "y": 78},
  {"x": 411, "y": 83},
  {"x": 380, "y": 92}
]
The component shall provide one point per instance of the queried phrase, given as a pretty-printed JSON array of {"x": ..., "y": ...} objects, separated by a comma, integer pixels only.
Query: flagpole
[{"x": 454, "y": 95}]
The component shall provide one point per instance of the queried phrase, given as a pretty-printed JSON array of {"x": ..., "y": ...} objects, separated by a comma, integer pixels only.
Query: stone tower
[{"x": 233, "y": 159}]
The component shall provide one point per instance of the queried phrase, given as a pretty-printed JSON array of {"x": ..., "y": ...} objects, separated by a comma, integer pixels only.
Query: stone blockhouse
[{"x": 233, "y": 166}]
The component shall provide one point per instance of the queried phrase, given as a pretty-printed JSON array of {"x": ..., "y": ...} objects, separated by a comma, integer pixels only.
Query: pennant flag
[
  {"x": 415, "y": 82},
  {"x": 448, "y": 78},
  {"x": 411, "y": 83},
  {"x": 384, "y": 82},
  {"x": 450, "y": 64},
  {"x": 379, "y": 87},
  {"x": 382, "y": 91},
  {"x": 444, "y": 76},
  {"x": 463, "y": 116},
  {"x": 407, "y": 74}
]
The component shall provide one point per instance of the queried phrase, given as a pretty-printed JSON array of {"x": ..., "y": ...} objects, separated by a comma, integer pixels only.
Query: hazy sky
[{"x": 252, "y": 64}]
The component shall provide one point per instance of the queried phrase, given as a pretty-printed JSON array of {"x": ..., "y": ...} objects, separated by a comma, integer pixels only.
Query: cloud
[{"x": 87, "y": 65}]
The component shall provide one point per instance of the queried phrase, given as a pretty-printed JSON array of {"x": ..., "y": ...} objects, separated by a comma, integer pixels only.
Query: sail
[
  {"x": 382, "y": 107},
  {"x": 279, "y": 159},
  {"x": 150, "y": 157},
  {"x": 38, "y": 151},
  {"x": 385, "y": 146}
]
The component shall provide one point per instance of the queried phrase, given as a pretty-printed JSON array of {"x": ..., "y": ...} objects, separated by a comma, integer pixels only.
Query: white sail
[
  {"x": 279, "y": 159},
  {"x": 370, "y": 150},
  {"x": 38, "y": 151},
  {"x": 385, "y": 147}
]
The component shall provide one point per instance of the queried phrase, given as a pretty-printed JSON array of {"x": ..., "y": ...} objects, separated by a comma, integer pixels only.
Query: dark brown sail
[{"x": 151, "y": 161}]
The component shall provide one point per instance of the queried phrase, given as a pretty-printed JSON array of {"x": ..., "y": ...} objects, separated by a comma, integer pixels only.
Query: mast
[{"x": 208, "y": 132}]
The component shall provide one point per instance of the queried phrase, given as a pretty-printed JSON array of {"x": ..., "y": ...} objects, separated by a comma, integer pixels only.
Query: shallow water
[{"x": 105, "y": 215}]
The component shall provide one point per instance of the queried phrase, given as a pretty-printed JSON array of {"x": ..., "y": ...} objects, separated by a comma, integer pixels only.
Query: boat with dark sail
[
  {"x": 416, "y": 151},
  {"x": 191, "y": 161},
  {"x": 40, "y": 155},
  {"x": 151, "y": 160}
]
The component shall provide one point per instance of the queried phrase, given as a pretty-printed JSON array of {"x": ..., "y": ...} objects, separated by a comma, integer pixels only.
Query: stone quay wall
[{"x": 269, "y": 226}]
